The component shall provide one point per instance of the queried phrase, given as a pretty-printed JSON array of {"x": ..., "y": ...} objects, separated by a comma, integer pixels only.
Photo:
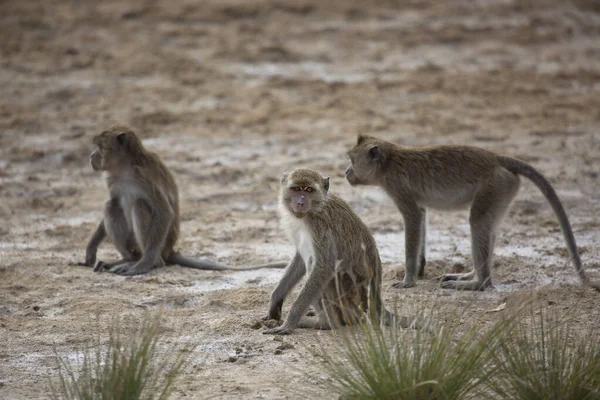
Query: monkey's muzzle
[
  {"x": 96, "y": 160},
  {"x": 301, "y": 206},
  {"x": 350, "y": 177}
]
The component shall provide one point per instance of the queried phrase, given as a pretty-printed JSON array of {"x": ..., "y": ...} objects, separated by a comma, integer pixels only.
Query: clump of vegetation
[
  {"x": 376, "y": 362},
  {"x": 524, "y": 355},
  {"x": 131, "y": 366},
  {"x": 541, "y": 358}
]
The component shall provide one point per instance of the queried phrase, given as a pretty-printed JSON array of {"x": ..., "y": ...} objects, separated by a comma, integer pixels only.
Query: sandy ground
[{"x": 233, "y": 93}]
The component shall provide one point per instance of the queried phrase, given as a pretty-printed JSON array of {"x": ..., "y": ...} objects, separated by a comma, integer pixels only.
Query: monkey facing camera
[
  {"x": 450, "y": 178},
  {"x": 337, "y": 251}
]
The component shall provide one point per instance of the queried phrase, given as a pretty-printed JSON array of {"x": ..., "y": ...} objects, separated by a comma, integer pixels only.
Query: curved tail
[
  {"x": 522, "y": 168},
  {"x": 177, "y": 258}
]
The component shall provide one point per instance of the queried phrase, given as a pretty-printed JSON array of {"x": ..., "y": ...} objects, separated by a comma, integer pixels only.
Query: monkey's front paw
[
  {"x": 128, "y": 271},
  {"x": 100, "y": 266},
  {"x": 280, "y": 330},
  {"x": 404, "y": 284},
  {"x": 274, "y": 313},
  {"x": 447, "y": 284},
  {"x": 448, "y": 277},
  {"x": 90, "y": 261}
]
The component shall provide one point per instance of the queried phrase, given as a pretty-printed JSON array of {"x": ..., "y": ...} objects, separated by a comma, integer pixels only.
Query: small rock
[
  {"x": 231, "y": 359},
  {"x": 285, "y": 346},
  {"x": 36, "y": 308},
  {"x": 255, "y": 325},
  {"x": 278, "y": 338},
  {"x": 278, "y": 351}
]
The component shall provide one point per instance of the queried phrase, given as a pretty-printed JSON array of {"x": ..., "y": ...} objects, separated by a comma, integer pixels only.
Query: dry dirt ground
[{"x": 233, "y": 93}]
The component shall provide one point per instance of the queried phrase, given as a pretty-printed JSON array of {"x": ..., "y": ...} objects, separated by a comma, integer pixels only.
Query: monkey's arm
[
  {"x": 92, "y": 247},
  {"x": 414, "y": 219},
  {"x": 294, "y": 272},
  {"x": 311, "y": 291}
]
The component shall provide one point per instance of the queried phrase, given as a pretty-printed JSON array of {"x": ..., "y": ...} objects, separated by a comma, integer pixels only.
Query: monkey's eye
[
  {"x": 295, "y": 188},
  {"x": 309, "y": 190}
]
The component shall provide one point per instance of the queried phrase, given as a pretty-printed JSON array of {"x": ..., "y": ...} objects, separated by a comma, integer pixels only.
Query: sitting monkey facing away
[
  {"x": 447, "y": 178},
  {"x": 337, "y": 251},
  {"x": 142, "y": 215}
]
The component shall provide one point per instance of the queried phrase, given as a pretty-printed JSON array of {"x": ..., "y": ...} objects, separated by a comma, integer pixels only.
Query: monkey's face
[
  {"x": 105, "y": 156},
  {"x": 111, "y": 150},
  {"x": 303, "y": 192},
  {"x": 366, "y": 160}
]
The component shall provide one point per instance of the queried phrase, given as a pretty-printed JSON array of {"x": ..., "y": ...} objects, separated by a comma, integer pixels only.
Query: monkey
[
  {"x": 142, "y": 215},
  {"x": 450, "y": 177},
  {"x": 337, "y": 252}
]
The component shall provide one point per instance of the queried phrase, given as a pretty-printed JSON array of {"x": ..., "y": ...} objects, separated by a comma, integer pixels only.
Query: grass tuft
[
  {"x": 130, "y": 367},
  {"x": 375, "y": 362},
  {"x": 541, "y": 358},
  {"x": 528, "y": 354}
]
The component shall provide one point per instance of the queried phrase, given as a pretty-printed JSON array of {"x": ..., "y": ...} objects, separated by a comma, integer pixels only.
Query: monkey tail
[
  {"x": 270, "y": 265},
  {"x": 176, "y": 258},
  {"x": 377, "y": 309},
  {"x": 519, "y": 167}
]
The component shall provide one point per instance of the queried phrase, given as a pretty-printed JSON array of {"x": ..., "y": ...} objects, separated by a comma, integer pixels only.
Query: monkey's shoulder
[{"x": 343, "y": 218}]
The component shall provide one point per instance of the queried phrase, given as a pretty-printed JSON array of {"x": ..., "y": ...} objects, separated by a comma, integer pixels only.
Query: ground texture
[{"x": 233, "y": 93}]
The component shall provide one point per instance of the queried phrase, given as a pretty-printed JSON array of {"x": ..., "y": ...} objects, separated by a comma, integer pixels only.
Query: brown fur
[
  {"x": 337, "y": 249},
  {"x": 447, "y": 178},
  {"x": 142, "y": 216}
]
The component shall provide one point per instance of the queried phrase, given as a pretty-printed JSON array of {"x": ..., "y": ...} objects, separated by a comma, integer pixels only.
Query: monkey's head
[
  {"x": 367, "y": 159},
  {"x": 303, "y": 191},
  {"x": 115, "y": 147}
]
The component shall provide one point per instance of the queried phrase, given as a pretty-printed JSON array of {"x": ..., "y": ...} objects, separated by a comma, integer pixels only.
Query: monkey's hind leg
[
  {"x": 120, "y": 234},
  {"x": 103, "y": 266},
  {"x": 459, "y": 277},
  {"x": 414, "y": 219},
  {"x": 150, "y": 230},
  {"x": 488, "y": 208},
  {"x": 322, "y": 319},
  {"x": 422, "y": 258}
]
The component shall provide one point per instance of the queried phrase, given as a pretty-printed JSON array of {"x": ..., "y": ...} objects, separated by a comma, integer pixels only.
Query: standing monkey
[
  {"x": 449, "y": 178},
  {"x": 142, "y": 216},
  {"x": 337, "y": 251}
]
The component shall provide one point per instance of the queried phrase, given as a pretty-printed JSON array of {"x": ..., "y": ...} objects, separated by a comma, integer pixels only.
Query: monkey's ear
[
  {"x": 375, "y": 153},
  {"x": 284, "y": 177},
  {"x": 122, "y": 139},
  {"x": 360, "y": 138},
  {"x": 326, "y": 184}
]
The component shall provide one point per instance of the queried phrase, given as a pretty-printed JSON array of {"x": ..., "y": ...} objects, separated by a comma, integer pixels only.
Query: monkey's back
[
  {"x": 351, "y": 238},
  {"x": 442, "y": 177},
  {"x": 161, "y": 182},
  {"x": 348, "y": 293}
]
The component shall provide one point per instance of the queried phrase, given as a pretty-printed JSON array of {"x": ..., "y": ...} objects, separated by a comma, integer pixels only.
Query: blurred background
[{"x": 233, "y": 93}]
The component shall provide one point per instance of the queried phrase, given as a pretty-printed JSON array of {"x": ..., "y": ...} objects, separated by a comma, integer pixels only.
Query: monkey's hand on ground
[
  {"x": 90, "y": 260},
  {"x": 100, "y": 266},
  {"x": 280, "y": 330},
  {"x": 274, "y": 313},
  {"x": 403, "y": 285},
  {"x": 128, "y": 270}
]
